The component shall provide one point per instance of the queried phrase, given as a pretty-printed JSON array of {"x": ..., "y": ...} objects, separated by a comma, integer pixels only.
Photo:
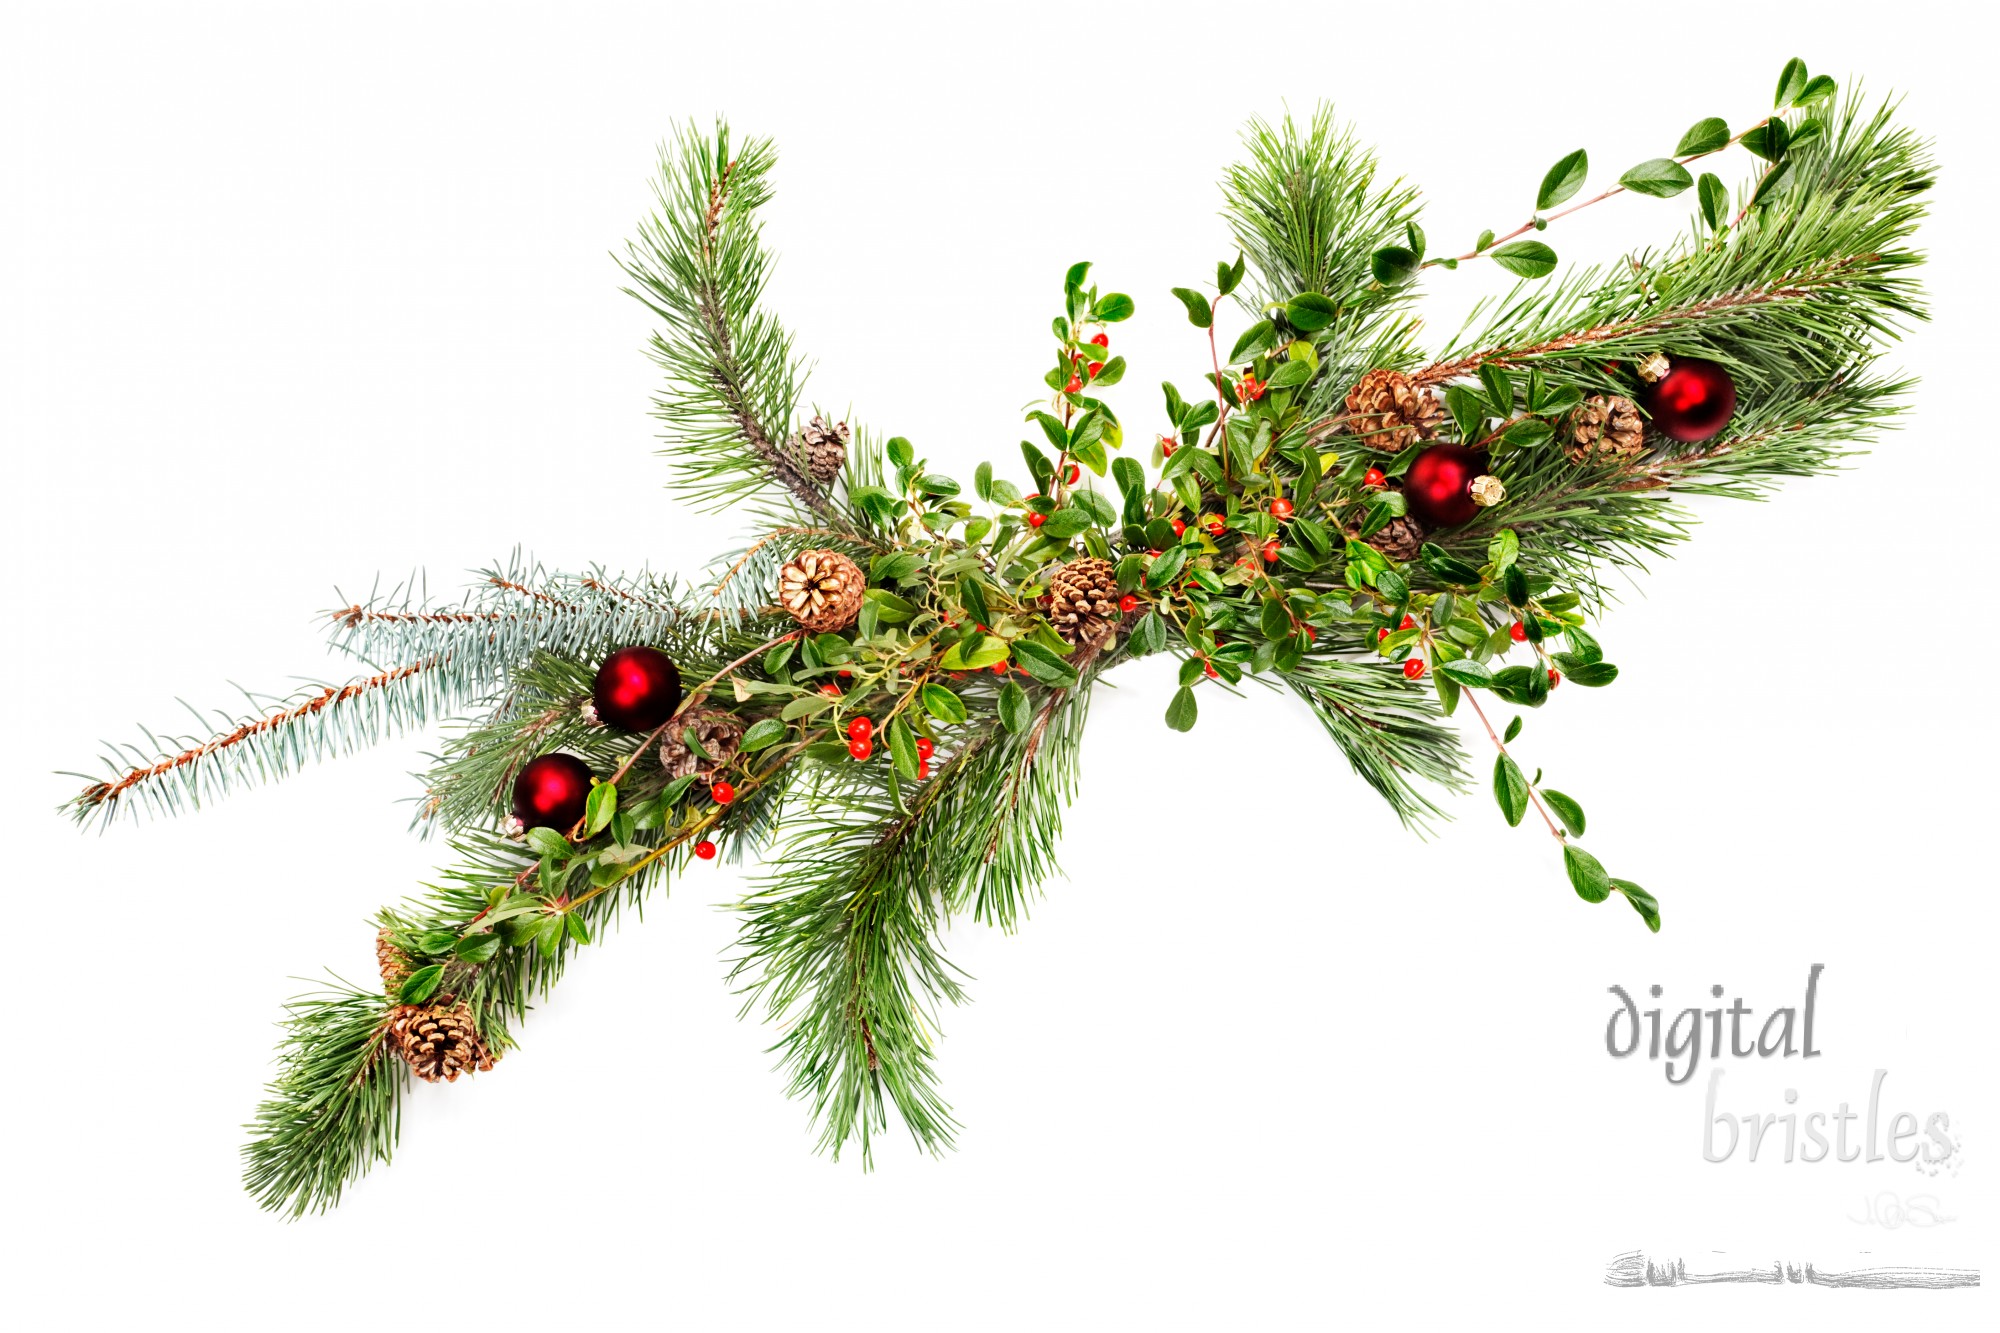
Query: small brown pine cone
[
  {"x": 1083, "y": 601},
  {"x": 821, "y": 590},
  {"x": 720, "y": 734},
  {"x": 1606, "y": 429},
  {"x": 1399, "y": 538},
  {"x": 439, "y": 1041},
  {"x": 1388, "y": 412},
  {"x": 395, "y": 964},
  {"x": 825, "y": 449}
]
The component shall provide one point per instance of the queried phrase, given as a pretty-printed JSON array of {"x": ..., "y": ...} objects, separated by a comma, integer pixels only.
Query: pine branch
[
  {"x": 274, "y": 742},
  {"x": 1389, "y": 732},
  {"x": 332, "y": 1111},
  {"x": 699, "y": 264}
]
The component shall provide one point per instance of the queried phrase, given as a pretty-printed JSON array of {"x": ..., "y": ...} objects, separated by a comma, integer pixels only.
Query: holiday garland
[{"x": 883, "y": 693}]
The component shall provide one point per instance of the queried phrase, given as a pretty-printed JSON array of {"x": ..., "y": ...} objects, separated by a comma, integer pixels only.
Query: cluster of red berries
[
  {"x": 861, "y": 739},
  {"x": 1093, "y": 368}
]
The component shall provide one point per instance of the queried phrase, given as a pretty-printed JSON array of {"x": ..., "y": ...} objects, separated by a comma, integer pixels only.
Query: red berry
[
  {"x": 1071, "y": 473},
  {"x": 1281, "y": 508},
  {"x": 705, "y": 850},
  {"x": 1167, "y": 446},
  {"x": 1179, "y": 527},
  {"x": 1249, "y": 389},
  {"x": 925, "y": 747},
  {"x": 1094, "y": 367},
  {"x": 830, "y": 688},
  {"x": 1414, "y": 667},
  {"x": 999, "y": 668},
  {"x": 1101, "y": 340},
  {"x": 1312, "y": 635},
  {"x": 1555, "y": 677},
  {"x": 1375, "y": 478},
  {"x": 1073, "y": 385},
  {"x": 1208, "y": 669},
  {"x": 923, "y": 769},
  {"x": 845, "y": 674},
  {"x": 1036, "y": 520},
  {"x": 1270, "y": 551},
  {"x": 860, "y": 729},
  {"x": 1128, "y": 603},
  {"x": 1517, "y": 632},
  {"x": 1381, "y": 634},
  {"x": 861, "y": 748},
  {"x": 1216, "y": 527},
  {"x": 1407, "y": 623}
]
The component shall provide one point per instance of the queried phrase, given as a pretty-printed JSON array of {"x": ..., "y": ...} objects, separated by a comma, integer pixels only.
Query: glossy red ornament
[
  {"x": 551, "y": 790},
  {"x": 637, "y": 689},
  {"x": 1438, "y": 487},
  {"x": 705, "y": 850},
  {"x": 723, "y": 793},
  {"x": 1692, "y": 401}
]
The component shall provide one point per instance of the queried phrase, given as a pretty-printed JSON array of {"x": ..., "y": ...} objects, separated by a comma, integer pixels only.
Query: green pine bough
[{"x": 887, "y": 684}]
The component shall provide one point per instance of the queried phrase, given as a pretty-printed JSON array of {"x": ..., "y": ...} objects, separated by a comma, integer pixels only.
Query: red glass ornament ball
[
  {"x": 1438, "y": 486},
  {"x": 550, "y": 791},
  {"x": 637, "y": 689},
  {"x": 1692, "y": 401}
]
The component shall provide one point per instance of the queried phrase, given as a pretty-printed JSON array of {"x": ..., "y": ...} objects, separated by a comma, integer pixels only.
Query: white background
[{"x": 297, "y": 295}]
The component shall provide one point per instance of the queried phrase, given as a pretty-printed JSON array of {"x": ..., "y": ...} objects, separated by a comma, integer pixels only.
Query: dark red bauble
[
  {"x": 637, "y": 689},
  {"x": 1692, "y": 401},
  {"x": 551, "y": 791},
  {"x": 1438, "y": 487}
]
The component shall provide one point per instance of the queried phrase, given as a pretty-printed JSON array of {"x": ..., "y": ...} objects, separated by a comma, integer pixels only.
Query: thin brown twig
[{"x": 1486, "y": 250}]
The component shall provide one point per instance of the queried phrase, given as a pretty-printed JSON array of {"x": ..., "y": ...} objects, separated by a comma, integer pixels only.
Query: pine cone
[
  {"x": 1388, "y": 412},
  {"x": 825, "y": 449},
  {"x": 395, "y": 964},
  {"x": 1083, "y": 598},
  {"x": 1606, "y": 429},
  {"x": 1399, "y": 538},
  {"x": 821, "y": 590},
  {"x": 439, "y": 1041},
  {"x": 720, "y": 733}
]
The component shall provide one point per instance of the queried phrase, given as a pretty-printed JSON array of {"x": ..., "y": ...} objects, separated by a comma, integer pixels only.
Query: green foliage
[{"x": 910, "y": 770}]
